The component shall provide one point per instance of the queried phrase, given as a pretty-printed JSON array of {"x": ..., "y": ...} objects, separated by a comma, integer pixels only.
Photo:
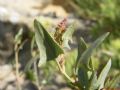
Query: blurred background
[{"x": 93, "y": 18}]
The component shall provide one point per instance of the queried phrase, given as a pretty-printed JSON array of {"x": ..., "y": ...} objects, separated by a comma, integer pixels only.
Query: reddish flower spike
[{"x": 62, "y": 24}]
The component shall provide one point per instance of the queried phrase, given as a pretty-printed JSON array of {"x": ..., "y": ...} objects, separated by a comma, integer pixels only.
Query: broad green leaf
[
  {"x": 67, "y": 36},
  {"x": 85, "y": 57},
  {"x": 70, "y": 59},
  {"x": 81, "y": 48},
  {"x": 83, "y": 78},
  {"x": 49, "y": 49},
  {"x": 103, "y": 75}
]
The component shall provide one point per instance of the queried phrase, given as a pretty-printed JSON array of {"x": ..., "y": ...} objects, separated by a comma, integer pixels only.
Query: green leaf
[
  {"x": 49, "y": 49},
  {"x": 67, "y": 36},
  {"x": 30, "y": 75},
  {"x": 71, "y": 58},
  {"x": 103, "y": 75},
  {"x": 92, "y": 81},
  {"x": 85, "y": 57},
  {"x": 33, "y": 43},
  {"x": 81, "y": 48},
  {"x": 83, "y": 78},
  {"x": 18, "y": 37}
]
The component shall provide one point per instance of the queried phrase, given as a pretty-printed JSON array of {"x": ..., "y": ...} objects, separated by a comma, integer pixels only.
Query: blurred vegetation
[
  {"x": 105, "y": 13},
  {"x": 105, "y": 16},
  {"x": 78, "y": 70}
]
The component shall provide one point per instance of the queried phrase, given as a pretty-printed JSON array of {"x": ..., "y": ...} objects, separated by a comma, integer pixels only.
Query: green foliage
[
  {"x": 87, "y": 77},
  {"x": 102, "y": 8},
  {"x": 114, "y": 81},
  {"x": 30, "y": 75},
  {"x": 111, "y": 49},
  {"x": 92, "y": 81},
  {"x": 18, "y": 37},
  {"x": 85, "y": 57},
  {"x": 104, "y": 12},
  {"x": 71, "y": 58},
  {"x": 81, "y": 48},
  {"x": 101, "y": 79},
  {"x": 49, "y": 49},
  {"x": 68, "y": 35},
  {"x": 83, "y": 76}
]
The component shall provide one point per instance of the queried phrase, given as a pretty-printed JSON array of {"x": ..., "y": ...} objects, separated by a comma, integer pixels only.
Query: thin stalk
[
  {"x": 17, "y": 48},
  {"x": 36, "y": 75},
  {"x": 63, "y": 72},
  {"x": 17, "y": 67}
]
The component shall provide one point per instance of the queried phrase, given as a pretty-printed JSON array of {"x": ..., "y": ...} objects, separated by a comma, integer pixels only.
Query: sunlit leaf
[
  {"x": 92, "y": 81},
  {"x": 103, "y": 75},
  {"x": 81, "y": 48},
  {"x": 67, "y": 36},
  {"x": 85, "y": 57},
  {"x": 49, "y": 49}
]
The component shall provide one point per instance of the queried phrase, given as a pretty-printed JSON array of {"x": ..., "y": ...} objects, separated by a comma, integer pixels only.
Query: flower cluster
[{"x": 60, "y": 29}]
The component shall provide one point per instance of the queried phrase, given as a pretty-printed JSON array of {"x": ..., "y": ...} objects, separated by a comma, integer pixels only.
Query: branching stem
[{"x": 17, "y": 48}]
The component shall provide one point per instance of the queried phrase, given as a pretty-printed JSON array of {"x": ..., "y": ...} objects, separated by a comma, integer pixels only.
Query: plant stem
[
  {"x": 36, "y": 75},
  {"x": 17, "y": 66},
  {"x": 63, "y": 71},
  {"x": 17, "y": 48}
]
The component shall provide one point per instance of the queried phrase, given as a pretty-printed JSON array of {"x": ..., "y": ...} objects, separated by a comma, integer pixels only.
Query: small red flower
[
  {"x": 60, "y": 29},
  {"x": 62, "y": 25}
]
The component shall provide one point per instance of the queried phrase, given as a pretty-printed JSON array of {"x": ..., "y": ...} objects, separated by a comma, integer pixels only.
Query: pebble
[{"x": 6, "y": 76}]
